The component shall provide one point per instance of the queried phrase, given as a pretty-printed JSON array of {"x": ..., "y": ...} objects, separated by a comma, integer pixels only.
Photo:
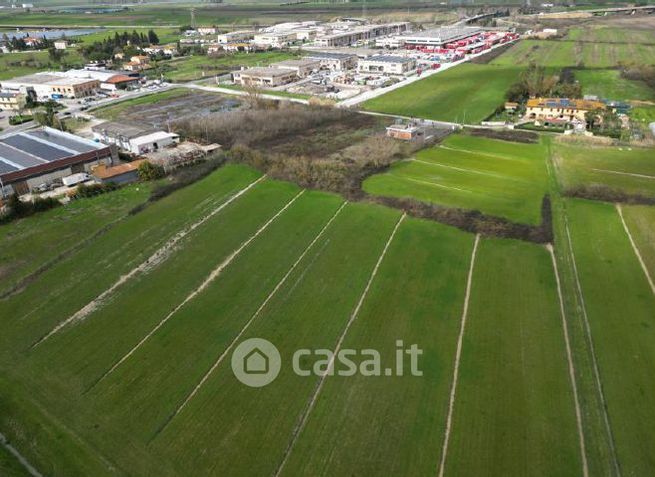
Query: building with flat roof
[
  {"x": 109, "y": 80},
  {"x": 439, "y": 37},
  {"x": 49, "y": 85},
  {"x": 386, "y": 64},
  {"x": 275, "y": 40},
  {"x": 12, "y": 100},
  {"x": 301, "y": 67},
  {"x": 353, "y": 35},
  {"x": 29, "y": 159},
  {"x": 236, "y": 37},
  {"x": 334, "y": 61},
  {"x": 134, "y": 138},
  {"x": 264, "y": 76}
]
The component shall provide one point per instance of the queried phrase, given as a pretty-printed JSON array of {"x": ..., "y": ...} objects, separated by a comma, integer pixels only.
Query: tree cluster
[{"x": 121, "y": 42}]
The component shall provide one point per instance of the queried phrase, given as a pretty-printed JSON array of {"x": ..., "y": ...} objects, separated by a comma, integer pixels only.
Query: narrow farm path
[{"x": 636, "y": 249}]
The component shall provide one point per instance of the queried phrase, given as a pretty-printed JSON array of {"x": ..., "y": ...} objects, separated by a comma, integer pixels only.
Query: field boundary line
[
  {"x": 418, "y": 181},
  {"x": 160, "y": 255},
  {"x": 631, "y": 174},
  {"x": 23, "y": 461},
  {"x": 592, "y": 348},
  {"x": 480, "y": 153},
  {"x": 472, "y": 171},
  {"x": 305, "y": 416},
  {"x": 636, "y": 249},
  {"x": 208, "y": 280},
  {"x": 571, "y": 366},
  {"x": 458, "y": 355},
  {"x": 279, "y": 285}
]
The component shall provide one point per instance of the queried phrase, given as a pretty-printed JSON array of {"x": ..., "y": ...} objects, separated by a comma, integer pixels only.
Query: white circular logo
[{"x": 256, "y": 362}]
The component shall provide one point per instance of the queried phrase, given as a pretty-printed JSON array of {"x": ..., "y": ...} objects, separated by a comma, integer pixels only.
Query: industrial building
[
  {"x": 53, "y": 85},
  {"x": 120, "y": 174},
  {"x": 439, "y": 37},
  {"x": 302, "y": 67},
  {"x": 275, "y": 40},
  {"x": 109, "y": 80},
  {"x": 133, "y": 138},
  {"x": 235, "y": 37},
  {"x": 386, "y": 64},
  {"x": 40, "y": 156},
  {"x": 334, "y": 61},
  {"x": 264, "y": 77}
]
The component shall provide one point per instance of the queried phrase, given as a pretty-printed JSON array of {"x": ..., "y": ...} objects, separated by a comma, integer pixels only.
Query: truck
[{"x": 75, "y": 179}]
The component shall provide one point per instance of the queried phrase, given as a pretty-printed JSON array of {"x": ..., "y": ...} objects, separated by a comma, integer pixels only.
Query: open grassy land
[
  {"x": 609, "y": 84},
  {"x": 357, "y": 423},
  {"x": 25, "y": 63},
  {"x": 10, "y": 466},
  {"x": 165, "y": 35},
  {"x": 514, "y": 409},
  {"x": 619, "y": 305},
  {"x": 24, "y": 249},
  {"x": 496, "y": 177},
  {"x": 569, "y": 53},
  {"x": 467, "y": 93},
  {"x": 201, "y": 66},
  {"x": 640, "y": 220},
  {"x": 627, "y": 169},
  {"x": 611, "y": 34}
]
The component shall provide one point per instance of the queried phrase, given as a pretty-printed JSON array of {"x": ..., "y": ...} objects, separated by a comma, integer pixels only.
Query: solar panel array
[{"x": 33, "y": 148}]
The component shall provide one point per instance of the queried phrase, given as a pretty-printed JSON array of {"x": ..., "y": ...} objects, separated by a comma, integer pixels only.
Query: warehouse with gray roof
[{"x": 29, "y": 159}]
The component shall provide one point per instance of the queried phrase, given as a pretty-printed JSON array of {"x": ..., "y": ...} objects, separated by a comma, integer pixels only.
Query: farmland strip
[
  {"x": 254, "y": 316},
  {"x": 154, "y": 260},
  {"x": 471, "y": 171},
  {"x": 569, "y": 357},
  {"x": 353, "y": 316},
  {"x": 418, "y": 181},
  {"x": 210, "y": 278},
  {"x": 599, "y": 385},
  {"x": 634, "y": 247},
  {"x": 495, "y": 156},
  {"x": 458, "y": 354}
]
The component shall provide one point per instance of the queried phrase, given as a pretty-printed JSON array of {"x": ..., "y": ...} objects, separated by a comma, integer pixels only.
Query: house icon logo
[{"x": 256, "y": 362}]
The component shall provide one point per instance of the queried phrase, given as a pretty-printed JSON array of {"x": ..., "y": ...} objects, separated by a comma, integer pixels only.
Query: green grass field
[
  {"x": 514, "y": 409},
  {"x": 627, "y": 169},
  {"x": 619, "y": 305},
  {"x": 640, "y": 220},
  {"x": 609, "y": 84},
  {"x": 467, "y": 93},
  {"x": 496, "y": 177},
  {"x": 142, "y": 383},
  {"x": 24, "y": 249},
  {"x": 10, "y": 466}
]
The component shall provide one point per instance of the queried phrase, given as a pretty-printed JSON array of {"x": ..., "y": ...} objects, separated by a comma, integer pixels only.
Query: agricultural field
[
  {"x": 640, "y": 220},
  {"x": 495, "y": 177},
  {"x": 202, "y": 66},
  {"x": 468, "y": 93},
  {"x": 610, "y": 85},
  {"x": 559, "y": 54},
  {"x": 619, "y": 306},
  {"x": 24, "y": 251},
  {"x": 626, "y": 169}
]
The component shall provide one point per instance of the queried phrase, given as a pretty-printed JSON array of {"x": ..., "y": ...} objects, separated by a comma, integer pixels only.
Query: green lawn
[
  {"x": 496, "y": 177},
  {"x": 417, "y": 297},
  {"x": 165, "y": 35},
  {"x": 514, "y": 409},
  {"x": 201, "y": 66},
  {"x": 467, "y": 93},
  {"x": 609, "y": 84},
  {"x": 626, "y": 169},
  {"x": 620, "y": 306},
  {"x": 10, "y": 466},
  {"x": 24, "y": 248}
]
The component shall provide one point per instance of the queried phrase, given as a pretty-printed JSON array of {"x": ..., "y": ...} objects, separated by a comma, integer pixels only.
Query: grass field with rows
[{"x": 495, "y": 177}]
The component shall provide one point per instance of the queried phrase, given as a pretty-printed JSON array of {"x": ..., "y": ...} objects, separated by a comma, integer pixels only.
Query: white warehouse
[{"x": 386, "y": 64}]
